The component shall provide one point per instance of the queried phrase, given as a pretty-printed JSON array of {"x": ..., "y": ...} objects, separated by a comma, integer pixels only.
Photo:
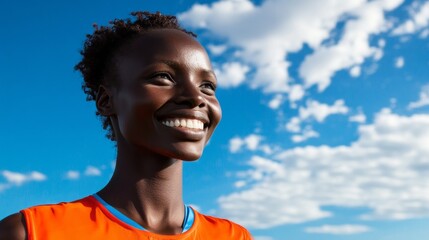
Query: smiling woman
[
  {"x": 172, "y": 81},
  {"x": 154, "y": 89}
]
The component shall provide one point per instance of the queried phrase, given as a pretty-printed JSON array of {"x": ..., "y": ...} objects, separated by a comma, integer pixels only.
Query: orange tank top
[{"x": 87, "y": 218}]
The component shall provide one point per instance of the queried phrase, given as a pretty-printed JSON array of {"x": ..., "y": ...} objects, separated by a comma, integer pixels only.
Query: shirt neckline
[{"x": 188, "y": 220}]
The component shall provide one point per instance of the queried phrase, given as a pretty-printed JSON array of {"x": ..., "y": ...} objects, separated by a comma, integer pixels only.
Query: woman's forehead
[
  {"x": 167, "y": 46},
  {"x": 162, "y": 41}
]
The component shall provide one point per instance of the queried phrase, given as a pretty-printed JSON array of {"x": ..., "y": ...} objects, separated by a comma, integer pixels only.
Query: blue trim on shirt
[
  {"x": 188, "y": 221},
  {"x": 118, "y": 214}
]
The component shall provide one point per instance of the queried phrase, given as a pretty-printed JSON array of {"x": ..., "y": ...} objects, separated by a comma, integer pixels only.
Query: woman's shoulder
[
  {"x": 223, "y": 225},
  {"x": 85, "y": 202},
  {"x": 13, "y": 228},
  {"x": 58, "y": 213}
]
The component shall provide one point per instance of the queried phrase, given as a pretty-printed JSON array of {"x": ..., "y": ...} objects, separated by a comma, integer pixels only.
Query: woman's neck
[{"x": 148, "y": 189}]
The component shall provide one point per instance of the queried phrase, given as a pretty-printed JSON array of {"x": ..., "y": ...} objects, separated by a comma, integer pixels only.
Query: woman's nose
[{"x": 189, "y": 93}]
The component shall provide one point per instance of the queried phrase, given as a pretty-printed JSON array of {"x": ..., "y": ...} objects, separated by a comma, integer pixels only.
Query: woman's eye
[
  {"x": 162, "y": 78},
  {"x": 209, "y": 86},
  {"x": 162, "y": 75}
]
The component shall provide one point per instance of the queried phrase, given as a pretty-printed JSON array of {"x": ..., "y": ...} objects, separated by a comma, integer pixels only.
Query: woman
[{"x": 154, "y": 89}]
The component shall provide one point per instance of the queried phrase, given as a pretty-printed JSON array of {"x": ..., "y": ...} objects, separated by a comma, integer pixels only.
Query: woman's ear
[{"x": 104, "y": 101}]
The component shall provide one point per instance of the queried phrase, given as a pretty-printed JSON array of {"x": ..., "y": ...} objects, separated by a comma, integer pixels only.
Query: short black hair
[{"x": 100, "y": 47}]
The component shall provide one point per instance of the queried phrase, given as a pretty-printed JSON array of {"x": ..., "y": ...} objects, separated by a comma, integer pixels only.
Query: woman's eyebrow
[
  {"x": 170, "y": 63},
  {"x": 177, "y": 65}
]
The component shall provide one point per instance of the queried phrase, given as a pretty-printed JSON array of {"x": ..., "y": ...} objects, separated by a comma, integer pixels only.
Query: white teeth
[
  {"x": 196, "y": 124},
  {"x": 185, "y": 123},
  {"x": 190, "y": 123}
]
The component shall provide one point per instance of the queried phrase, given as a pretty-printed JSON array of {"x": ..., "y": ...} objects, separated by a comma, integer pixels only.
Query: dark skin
[{"x": 162, "y": 76}]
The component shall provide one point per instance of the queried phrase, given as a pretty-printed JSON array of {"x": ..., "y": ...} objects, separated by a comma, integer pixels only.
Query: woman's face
[{"x": 165, "y": 100}]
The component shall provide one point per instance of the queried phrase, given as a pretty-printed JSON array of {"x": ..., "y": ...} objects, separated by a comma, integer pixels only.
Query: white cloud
[
  {"x": 276, "y": 101},
  {"x": 92, "y": 171},
  {"x": 355, "y": 71},
  {"x": 419, "y": 20},
  {"x": 313, "y": 111},
  {"x": 240, "y": 184},
  {"x": 320, "y": 111},
  {"x": 216, "y": 49},
  {"x": 424, "y": 99},
  {"x": 399, "y": 62},
  {"x": 292, "y": 25},
  {"x": 360, "y": 117},
  {"x": 14, "y": 177},
  {"x": 306, "y": 134},
  {"x": 36, "y": 176},
  {"x": 267, "y": 149},
  {"x": 294, "y": 125},
  {"x": 338, "y": 229},
  {"x": 384, "y": 170},
  {"x": 378, "y": 54},
  {"x": 252, "y": 142},
  {"x": 17, "y": 179},
  {"x": 235, "y": 144},
  {"x": 367, "y": 18},
  {"x": 296, "y": 93},
  {"x": 381, "y": 43},
  {"x": 231, "y": 74},
  {"x": 317, "y": 111},
  {"x": 20, "y": 178},
  {"x": 72, "y": 175}
]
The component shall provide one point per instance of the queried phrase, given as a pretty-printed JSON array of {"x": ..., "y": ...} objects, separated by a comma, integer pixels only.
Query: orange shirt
[{"x": 87, "y": 218}]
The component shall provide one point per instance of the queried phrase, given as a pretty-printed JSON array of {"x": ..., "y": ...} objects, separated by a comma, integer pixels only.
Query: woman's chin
[
  {"x": 186, "y": 152},
  {"x": 187, "y": 156}
]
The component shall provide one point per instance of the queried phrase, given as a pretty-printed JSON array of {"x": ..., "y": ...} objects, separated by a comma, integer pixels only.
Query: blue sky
[{"x": 325, "y": 113}]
